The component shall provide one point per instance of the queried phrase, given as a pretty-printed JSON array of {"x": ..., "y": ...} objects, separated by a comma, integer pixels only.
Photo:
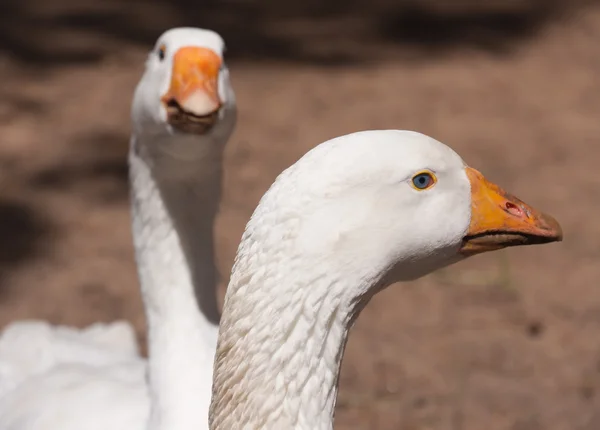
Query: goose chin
[{"x": 189, "y": 122}]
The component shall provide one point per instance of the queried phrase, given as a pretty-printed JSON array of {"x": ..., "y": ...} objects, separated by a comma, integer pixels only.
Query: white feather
[
  {"x": 63, "y": 378},
  {"x": 335, "y": 228}
]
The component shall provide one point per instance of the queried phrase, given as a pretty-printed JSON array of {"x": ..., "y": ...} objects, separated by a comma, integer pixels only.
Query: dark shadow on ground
[
  {"x": 23, "y": 233},
  {"x": 324, "y": 32}
]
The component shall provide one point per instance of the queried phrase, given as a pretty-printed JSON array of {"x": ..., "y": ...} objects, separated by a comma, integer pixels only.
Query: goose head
[
  {"x": 354, "y": 215},
  {"x": 185, "y": 90},
  {"x": 390, "y": 206}
]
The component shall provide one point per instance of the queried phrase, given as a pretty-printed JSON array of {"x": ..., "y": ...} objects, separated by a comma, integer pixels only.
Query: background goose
[
  {"x": 62, "y": 378},
  {"x": 354, "y": 215}
]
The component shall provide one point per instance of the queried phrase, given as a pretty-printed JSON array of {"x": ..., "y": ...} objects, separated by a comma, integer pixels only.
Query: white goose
[
  {"x": 354, "y": 215},
  {"x": 62, "y": 378}
]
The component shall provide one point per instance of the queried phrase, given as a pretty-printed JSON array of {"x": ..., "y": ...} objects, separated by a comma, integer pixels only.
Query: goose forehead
[
  {"x": 178, "y": 37},
  {"x": 381, "y": 154},
  {"x": 411, "y": 150}
]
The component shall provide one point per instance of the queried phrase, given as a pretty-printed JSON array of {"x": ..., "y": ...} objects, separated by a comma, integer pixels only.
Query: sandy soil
[{"x": 504, "y": 341}]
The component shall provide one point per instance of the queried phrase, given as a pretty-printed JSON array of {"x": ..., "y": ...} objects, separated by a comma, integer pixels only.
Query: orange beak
[
  {"x": 194, "y": 81},
  {"x": 499, "y": 220}
]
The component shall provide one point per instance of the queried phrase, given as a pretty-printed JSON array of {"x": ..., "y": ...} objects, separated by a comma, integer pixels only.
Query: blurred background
[{"x": 509, "y": 340}]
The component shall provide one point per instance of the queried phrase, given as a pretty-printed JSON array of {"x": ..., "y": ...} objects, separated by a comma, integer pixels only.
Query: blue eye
[{"x": 423, "y": 181}]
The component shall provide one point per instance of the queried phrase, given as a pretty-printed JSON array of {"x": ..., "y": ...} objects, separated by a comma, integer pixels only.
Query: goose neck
[
  {"x": 280, "y": 349},
  {"x": 172, "y": 215}
]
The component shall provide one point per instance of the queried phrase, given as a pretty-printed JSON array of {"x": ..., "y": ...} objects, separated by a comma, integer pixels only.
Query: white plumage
[
  {"x": 352, "y": 216},
  {"x": 33, "y": 347},
  {"x": 63, "y": 378}
]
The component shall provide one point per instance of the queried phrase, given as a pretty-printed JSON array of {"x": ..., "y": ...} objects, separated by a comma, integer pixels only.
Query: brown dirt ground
[{"x": 505, "y": 341}]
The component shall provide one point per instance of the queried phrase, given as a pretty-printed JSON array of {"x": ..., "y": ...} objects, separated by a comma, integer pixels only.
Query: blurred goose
[
  {"x": 352, "y": 216},
  {"x": 63, "y": 378}
]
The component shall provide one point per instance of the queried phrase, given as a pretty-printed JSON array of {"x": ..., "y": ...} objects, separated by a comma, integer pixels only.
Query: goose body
[
  {"x": 63, "y": 378},
  {"x": 352, "y": 216}
]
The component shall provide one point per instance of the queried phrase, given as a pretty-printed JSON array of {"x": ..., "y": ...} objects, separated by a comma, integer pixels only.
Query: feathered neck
[
  {"x": 174, "y": 203},
  {"x": 284, "y": 328}
]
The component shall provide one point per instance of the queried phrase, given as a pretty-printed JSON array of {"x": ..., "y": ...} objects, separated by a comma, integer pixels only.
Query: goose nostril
[{"x": 513, "y": 209}]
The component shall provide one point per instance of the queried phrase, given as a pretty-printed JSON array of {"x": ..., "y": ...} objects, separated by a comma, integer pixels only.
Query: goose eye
[
  {"x": 422, "y": 181},
  {"x": 161, "y": 52}
]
